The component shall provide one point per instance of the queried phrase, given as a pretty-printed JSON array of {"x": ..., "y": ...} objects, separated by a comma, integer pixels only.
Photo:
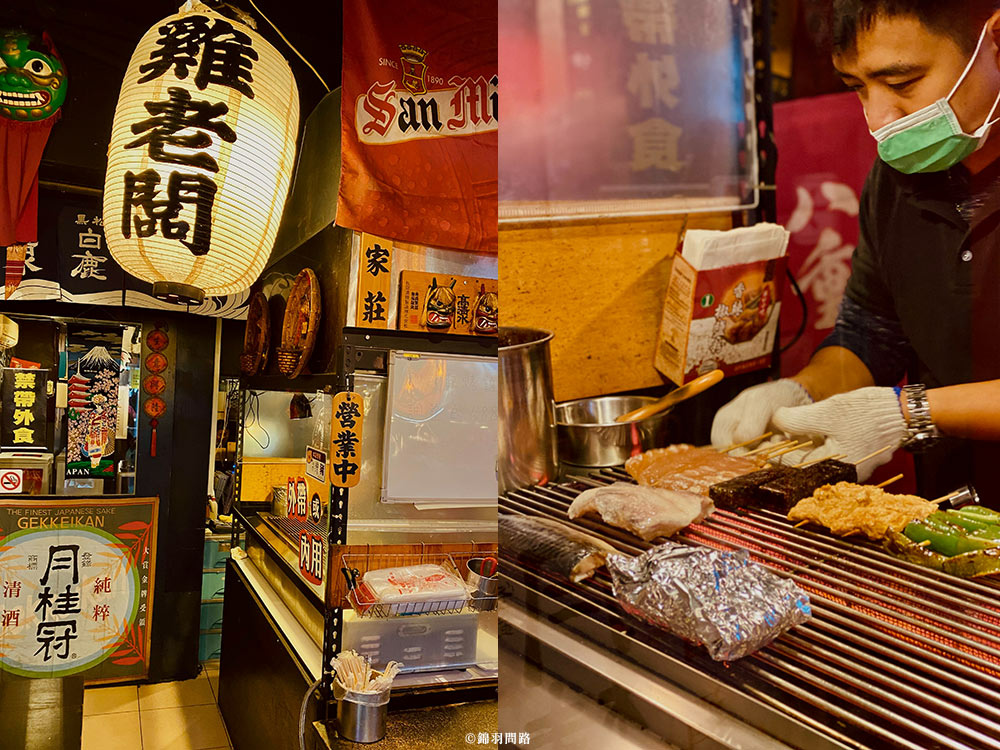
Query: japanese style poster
[
  {"x": 419, "y": 118},
  {"x": 94, "y": 363},
  {"x": 24, "y": 409},
  {"x": 374, "y": 281},
  {"x": 77, "y": 581}
]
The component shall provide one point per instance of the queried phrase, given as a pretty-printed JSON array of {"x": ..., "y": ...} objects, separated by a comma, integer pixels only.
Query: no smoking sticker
[{"x": 11, "y": 480}]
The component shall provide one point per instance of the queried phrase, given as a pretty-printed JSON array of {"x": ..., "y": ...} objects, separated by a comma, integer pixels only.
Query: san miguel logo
[
  {"x": 395, "y": 112},
  {"x": 414, "y": 68}
]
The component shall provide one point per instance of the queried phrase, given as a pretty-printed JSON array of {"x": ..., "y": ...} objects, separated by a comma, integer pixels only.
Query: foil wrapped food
[{"x": 722, "y": 600}]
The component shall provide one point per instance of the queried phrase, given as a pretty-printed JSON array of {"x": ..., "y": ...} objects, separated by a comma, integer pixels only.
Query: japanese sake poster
[{"x": 76, "y": 587}]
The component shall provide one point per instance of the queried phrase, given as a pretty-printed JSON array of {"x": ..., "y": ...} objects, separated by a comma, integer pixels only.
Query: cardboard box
[{"x": 720, "y": 318}]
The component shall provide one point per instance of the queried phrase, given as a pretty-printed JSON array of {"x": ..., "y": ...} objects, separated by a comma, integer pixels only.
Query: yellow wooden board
[
  {"x": 345, "y": 442},
  {"x": 374, "y": 281},
  {"x": 599, "y": 287},
  {"x": 446, "y": 303}
]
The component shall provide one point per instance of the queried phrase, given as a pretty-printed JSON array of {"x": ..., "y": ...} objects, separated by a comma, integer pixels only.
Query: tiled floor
[{"x": 167, "y": 716}]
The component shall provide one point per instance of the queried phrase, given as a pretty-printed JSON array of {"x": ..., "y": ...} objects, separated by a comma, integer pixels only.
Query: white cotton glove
[
  {"x": 749, "y": 414},
  {"x": 856, "y": 423}
]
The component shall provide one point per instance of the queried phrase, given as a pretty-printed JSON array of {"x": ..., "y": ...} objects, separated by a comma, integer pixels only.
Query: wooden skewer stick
[
  {"x": 800, "y": 523},
  {"x": 745, "y": 443},
  {"x": 789, "y": 449},
  {"x": 940, "y": 500},
  {"x": 887, "y": 482},
  {"x": 872, "y": 455},
  {"x": 769, "y": 448},
  {"x": 834, "y": 457}
]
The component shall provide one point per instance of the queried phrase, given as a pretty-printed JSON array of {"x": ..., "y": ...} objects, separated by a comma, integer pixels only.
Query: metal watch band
[{"x": 921, "y": 432}]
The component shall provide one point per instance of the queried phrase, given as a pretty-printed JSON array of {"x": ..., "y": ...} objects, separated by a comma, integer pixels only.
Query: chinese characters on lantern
[
  {"x": 653, "y": 83},
  {"x": 177, "y": 204},
  {"x": 24, "y": 409},
  {"x": 348, "y": 418}
]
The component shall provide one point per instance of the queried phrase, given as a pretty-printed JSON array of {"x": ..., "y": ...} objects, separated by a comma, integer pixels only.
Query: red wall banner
[
  {"x": 419, "y": 122},
  {"x": 825, "y": 153}
]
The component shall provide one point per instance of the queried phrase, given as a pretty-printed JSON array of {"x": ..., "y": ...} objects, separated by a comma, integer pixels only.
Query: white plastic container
[{"x": 419, "y": 642}]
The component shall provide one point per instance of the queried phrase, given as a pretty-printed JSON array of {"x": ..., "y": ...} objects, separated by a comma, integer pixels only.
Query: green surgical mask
[{"x": 931, "y": 139}]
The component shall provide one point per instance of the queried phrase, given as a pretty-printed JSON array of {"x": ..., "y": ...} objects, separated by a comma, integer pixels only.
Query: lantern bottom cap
[{"x": 182, "y": 294}]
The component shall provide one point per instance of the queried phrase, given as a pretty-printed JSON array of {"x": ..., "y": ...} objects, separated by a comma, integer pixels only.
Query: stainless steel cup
[
  {"x": 526, "y": 437},
  {"x": 361, "y": 717},
  {"x": 484, "y": 587}
]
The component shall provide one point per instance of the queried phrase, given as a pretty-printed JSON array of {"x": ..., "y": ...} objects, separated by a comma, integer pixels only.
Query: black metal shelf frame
[{"x": 361, "y": 349}]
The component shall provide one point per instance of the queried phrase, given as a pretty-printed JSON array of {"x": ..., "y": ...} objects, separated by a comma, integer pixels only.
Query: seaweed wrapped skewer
[{"x": 552, "y": 546}]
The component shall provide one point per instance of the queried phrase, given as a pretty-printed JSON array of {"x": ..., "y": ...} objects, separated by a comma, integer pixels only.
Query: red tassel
[{"x": 152, "y": 438}]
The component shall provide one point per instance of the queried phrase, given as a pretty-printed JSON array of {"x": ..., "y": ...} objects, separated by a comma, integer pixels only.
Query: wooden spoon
[{"x": 673, "y": 398}]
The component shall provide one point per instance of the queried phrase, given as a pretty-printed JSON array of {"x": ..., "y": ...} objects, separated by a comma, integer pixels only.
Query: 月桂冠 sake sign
[{"x": 76, "y": 587}]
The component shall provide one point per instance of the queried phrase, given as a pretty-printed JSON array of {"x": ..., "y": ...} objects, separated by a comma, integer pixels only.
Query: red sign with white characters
[{"x": 826, "y": 153}]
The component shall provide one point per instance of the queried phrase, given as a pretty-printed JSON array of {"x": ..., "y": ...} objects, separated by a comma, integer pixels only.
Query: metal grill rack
[{"x": 896, "y": 655}]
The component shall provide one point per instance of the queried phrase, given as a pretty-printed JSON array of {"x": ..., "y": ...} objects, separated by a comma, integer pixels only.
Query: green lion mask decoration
[{"x": 32, "y": 77}]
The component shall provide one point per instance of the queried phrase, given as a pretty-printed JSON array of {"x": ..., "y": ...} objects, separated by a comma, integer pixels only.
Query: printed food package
[
  {"x": 721, "y": 308},
  {"x": 414, "y": 583}
]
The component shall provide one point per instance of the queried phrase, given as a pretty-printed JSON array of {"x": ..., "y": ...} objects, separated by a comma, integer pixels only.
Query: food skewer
[
  {"x": 800, "y": 523},
  {"x": 876, "y": 453},
  {"x": 887, "y": 482},
  {"x": 789, "y": 449},
  {"x": 834, "y": 457},
  {"x": 769, "y": 448},
  {"x": 745, "y": 443}
]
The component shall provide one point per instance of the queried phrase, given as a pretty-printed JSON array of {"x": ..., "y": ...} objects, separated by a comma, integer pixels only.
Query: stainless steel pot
[
  {"x": 589, "y": 436},
  {"x": 526, "y": 437}
]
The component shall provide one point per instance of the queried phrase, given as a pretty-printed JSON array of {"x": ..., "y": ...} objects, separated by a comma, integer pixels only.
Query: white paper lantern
[
  {"x": 8, "y": 333},
  {"x": 201, "y": 156}
]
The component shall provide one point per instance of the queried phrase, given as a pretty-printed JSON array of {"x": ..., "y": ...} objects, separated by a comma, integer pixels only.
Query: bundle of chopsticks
[{"x": 355, "y": 673}]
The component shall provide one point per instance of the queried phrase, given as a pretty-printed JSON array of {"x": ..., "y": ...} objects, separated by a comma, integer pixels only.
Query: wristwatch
[{"x": 921, "y": 433}]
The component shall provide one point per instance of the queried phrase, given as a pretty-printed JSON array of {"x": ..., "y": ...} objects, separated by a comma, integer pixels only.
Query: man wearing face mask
[{"x": 923, "y": 301}]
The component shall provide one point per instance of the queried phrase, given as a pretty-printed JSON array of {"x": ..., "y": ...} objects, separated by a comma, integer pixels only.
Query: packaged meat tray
[
  {"x": 414, "y": 583},
  {"x": 409, "y": 590}
]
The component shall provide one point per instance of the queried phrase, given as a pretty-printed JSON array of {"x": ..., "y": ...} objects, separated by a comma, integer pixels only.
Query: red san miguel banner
[{"x": 419, "y": 122}]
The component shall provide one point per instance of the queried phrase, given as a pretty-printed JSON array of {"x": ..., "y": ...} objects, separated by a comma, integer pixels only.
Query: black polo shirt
[{"x": 924, "y": 300}]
